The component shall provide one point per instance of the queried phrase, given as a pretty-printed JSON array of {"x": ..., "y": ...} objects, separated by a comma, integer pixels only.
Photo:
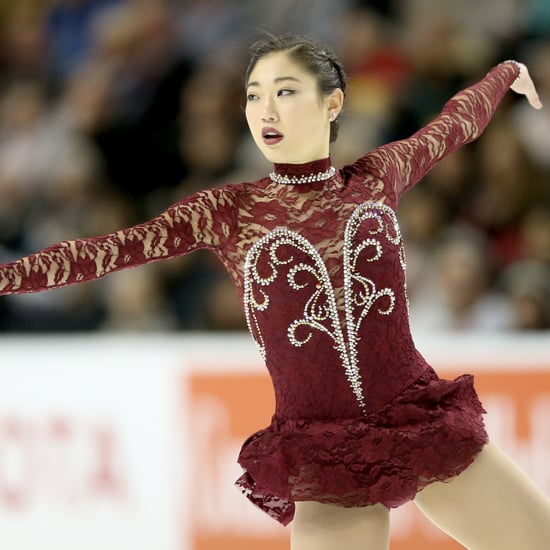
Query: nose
[{"x": 269, "y": 113}]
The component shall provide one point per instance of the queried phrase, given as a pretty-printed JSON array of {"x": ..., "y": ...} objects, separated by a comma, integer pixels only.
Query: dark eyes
[{"x": 280, "y": 93}]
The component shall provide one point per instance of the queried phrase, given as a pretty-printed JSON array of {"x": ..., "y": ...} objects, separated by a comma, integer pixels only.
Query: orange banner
[{"x": 226, "y": 408}]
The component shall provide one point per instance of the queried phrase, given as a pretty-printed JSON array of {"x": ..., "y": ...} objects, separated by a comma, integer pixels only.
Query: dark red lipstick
[{"x": 271, "y": 136}]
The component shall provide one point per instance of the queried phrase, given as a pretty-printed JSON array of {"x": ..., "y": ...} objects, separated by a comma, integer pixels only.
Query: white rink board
[{"x": 95, "y": 449}]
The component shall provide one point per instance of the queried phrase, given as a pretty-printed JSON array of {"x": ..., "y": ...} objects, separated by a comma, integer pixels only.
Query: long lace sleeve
[
  {"x": 200, "y": 221},
  {"x": 462, "y": 120}
]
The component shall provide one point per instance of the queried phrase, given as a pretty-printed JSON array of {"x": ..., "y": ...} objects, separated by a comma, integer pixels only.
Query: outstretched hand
[{"x": 524, "y": 85}]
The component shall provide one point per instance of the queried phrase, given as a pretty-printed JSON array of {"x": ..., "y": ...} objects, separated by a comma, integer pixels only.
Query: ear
[{"x": 335, "y": 102}]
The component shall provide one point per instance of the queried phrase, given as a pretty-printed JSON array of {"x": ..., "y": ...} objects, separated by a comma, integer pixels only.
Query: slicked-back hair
[{"x": 313, "y": 57}]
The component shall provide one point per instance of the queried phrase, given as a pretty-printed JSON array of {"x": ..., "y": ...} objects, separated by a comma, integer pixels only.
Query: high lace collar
[{"x": 299, "y": 174}]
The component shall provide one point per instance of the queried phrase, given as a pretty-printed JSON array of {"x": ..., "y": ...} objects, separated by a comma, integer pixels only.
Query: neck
[{"x": 308, "y": 172}]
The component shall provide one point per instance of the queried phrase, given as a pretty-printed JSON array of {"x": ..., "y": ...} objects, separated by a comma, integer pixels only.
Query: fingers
[
  {"x": 534, "y": 100},
  {"x": 531, "y": 92},
  {"x": 524, "y": 85}
]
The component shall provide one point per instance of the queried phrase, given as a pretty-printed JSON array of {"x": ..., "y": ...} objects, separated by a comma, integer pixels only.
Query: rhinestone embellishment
[
  {"x": 299, "y": 180},
  {"x": 320, "y": 312}
]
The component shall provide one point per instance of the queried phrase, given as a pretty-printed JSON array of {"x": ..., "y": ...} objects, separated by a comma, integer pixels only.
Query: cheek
[
  {"x": 247, "y": 115},
  {"x": 249, "y": 118},
  {"x": 250, "y": 110},
  {"x": 312, "y": 122}
]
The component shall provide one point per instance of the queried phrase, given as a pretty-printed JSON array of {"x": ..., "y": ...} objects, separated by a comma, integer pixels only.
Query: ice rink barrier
[{"x": 128, "y": 442}]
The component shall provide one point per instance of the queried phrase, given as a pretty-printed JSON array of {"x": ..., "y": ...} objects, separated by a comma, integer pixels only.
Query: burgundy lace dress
[{"x": 360, "y": 417}]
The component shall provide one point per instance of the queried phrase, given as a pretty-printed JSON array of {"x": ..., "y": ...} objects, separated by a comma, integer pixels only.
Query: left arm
[{"x": 462, "y": 120}]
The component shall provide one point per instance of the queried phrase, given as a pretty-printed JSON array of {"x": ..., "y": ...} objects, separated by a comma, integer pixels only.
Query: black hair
[{"x": 312, "y": 56}]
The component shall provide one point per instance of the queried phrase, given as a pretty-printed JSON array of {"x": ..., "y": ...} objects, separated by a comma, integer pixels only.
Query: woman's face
[{"x": 288, "y": 118}]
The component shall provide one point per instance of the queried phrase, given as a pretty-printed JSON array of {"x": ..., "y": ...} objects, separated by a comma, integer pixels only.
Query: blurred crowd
[{"x": 111, "y": 110}]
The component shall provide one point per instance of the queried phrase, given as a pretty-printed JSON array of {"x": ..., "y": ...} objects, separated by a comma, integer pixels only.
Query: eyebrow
[{"x": 276, "y": 80}]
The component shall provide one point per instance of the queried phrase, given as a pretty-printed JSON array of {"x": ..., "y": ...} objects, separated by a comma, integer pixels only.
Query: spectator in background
[
  {"x": 377, "y": 71},
  {"x": 535, "y": 133},
  {"x": 458, "y": 295},
  {"x": 68, "y": 31},
  {"x": 527, "y": 280},
  {"x": 136, "y": 43},
  {"x": 133, "y": 303},
  {"x": 122, "y": 83},
  {"x": 527, "y": 284},
  {"x": 23, "y": 45},
  {"x": 507, "y": 186}
]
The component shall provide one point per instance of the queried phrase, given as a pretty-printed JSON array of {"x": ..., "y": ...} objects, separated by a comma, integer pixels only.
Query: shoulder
[
  {"x": 238, "y": 193},
  {"x": 377, "y": 162},
  {"x": 375, "y": 176},
  {"x": 225, "y": 199},
  {"x": 226, "y": 194}
]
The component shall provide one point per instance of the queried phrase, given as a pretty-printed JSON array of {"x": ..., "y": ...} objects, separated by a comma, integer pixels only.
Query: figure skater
[{"x": 362, "y": 423}]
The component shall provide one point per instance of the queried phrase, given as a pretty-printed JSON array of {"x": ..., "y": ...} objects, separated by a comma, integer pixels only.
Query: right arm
[{"x": 200, "y": 221}]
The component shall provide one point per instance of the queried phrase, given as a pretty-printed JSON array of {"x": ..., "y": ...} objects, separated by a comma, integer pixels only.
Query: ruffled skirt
[{"x": 430, "y": 432}]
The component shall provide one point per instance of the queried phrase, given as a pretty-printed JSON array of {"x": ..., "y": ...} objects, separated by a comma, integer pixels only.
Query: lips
[{"x": 271, "y": 136}]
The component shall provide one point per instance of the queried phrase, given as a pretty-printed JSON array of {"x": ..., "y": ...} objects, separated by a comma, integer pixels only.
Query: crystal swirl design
[
  {"x": 360, "y": 293},
  {"x": 317, "y": 315},
  {"x": 320, "y": 311}
]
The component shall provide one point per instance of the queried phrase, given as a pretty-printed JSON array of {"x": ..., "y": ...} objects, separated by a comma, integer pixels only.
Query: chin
[
  {"x": 281, "y": 157},
  {"x": 276, "y": 156}
]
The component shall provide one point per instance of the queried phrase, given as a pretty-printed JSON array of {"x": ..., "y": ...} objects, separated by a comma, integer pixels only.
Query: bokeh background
[
  {"x": 124, "y": 402},
  {"x": 111, "y": 110}
]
